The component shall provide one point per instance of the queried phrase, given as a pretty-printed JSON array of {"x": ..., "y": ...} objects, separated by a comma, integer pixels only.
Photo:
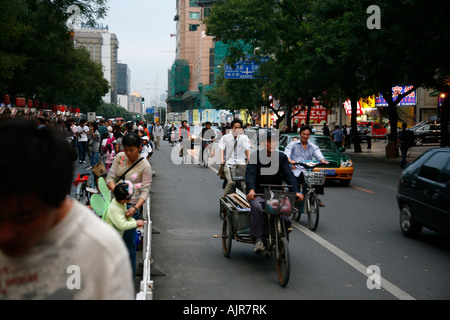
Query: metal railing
[{"x": 146, "y": 286}]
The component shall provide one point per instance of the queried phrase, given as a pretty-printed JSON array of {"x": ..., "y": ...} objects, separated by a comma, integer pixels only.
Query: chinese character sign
[
  {"x": 318, "y": 115},
  {"x": 409, "y": 100}
]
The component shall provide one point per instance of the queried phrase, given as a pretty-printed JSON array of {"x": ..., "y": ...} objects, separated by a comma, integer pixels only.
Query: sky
[{"x": 143, "y": 28}]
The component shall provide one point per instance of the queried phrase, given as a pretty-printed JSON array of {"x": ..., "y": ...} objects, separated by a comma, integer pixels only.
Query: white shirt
[
  {"x": 83, "y": 133},
  {"x": 297, "y": 153},
  {"x": 81, "y": 258},
  {"x": 238, "y": 154}
]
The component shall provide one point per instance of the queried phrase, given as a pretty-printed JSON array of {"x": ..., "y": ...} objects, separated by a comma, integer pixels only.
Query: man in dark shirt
[{"x": 271, "y": 168}]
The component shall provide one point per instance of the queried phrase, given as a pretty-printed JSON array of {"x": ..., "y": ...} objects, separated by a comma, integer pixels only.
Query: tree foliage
[
  {"x": 320, "y": 47},
  {"x": 38, "y": 60}
]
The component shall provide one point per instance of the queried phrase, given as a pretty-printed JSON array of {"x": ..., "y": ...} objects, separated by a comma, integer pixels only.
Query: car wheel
[
  {"x": 409, "y": 226},
  {"x": 418, "y": 141}
]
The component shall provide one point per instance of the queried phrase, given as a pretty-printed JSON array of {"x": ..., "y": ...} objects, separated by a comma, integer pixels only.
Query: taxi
[{"x": 340, "y": 166}]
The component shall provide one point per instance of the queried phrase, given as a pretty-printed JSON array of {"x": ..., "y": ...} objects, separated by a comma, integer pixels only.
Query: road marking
[
  {"x": 209, "y": 165},
  {"x": 362, "y": 189},
  {"x": 388, "y": 286}
]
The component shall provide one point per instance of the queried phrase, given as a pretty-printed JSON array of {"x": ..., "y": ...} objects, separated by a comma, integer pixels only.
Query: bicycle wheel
[
  {"x": 297, "y": 214},
  {"x": 312, "y": 210},
  {"x": 226, "y": 236},
  {"x": 283, "y": 261}
]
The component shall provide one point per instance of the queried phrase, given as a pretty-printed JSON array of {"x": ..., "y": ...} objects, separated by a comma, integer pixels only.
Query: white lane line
[{"x": 388, "y": 286}]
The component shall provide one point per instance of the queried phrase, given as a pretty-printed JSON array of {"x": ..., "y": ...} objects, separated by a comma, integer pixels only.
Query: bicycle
[
  {"x": 84, "y": 189},
  {"x": 207, "y": 152},
  {"x": 311, "y": 204}
]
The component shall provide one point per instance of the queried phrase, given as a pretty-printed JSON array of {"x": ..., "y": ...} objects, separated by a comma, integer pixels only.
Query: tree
[{"x": 37, "y": 58}]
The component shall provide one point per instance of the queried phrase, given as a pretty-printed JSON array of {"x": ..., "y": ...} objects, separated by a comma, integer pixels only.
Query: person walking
[
  {"x": 369, "y": 137},
  {"x": 94, "y": 141},
  {"x": 82, "y": 135},
  {"x": 159, "y": 133},
  {"x": 325, "y": 130},
  {"x": 404, "y": 142},
  {"x": 338, "y": 136},
  {"x": 347, "y": 133}
]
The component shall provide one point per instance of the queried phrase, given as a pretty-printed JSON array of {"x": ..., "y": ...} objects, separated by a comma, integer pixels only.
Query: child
[
  {"x": 115, "y": 215},
  {"x": 110, "y": 154},
  {"x": 147, "y": 150}
]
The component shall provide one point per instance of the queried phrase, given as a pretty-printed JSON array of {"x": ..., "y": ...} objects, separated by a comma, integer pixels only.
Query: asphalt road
[{"x": 358, "y": 229}]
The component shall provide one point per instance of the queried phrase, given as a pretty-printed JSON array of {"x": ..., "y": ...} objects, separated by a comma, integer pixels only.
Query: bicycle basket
[
  {"x": 316, "y": 178},
  {"x": 279, "y": 202},
  {"x": 238, "y": 172}
]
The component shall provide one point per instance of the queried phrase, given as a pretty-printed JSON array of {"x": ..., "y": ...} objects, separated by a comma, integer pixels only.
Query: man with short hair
[
  {"x": 270, "y": 168},
  {"x": 51, "y": 246},
  {"x": 234, "y": 150},
  {"x": 158, "y": 132}
]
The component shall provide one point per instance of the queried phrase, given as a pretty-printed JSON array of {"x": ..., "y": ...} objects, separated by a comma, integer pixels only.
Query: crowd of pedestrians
[{"x": 46, "y": 237}]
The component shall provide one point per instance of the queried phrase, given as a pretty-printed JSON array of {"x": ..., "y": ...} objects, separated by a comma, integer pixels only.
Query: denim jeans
[
  {"x": 82, "y": 148},
  {"x": 129, "y": 236},
  {"x": 95, "y": 158}
]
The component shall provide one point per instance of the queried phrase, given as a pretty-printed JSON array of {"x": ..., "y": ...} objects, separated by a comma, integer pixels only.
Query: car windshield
[{"x": 325, "y": 144}]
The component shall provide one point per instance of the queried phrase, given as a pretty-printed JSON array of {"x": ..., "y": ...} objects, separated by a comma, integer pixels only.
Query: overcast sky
[{"x": 143, "y": 28}]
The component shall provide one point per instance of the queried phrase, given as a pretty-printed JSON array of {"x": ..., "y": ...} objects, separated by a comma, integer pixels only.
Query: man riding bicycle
[
  {"x": 303, "y": 150},
  {"x": 271, "y": 168},
  {"x": 206, "y": 136}
]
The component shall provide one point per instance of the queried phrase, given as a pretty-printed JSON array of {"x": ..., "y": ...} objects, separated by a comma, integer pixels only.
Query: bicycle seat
[{"x": 79, "y": 180}]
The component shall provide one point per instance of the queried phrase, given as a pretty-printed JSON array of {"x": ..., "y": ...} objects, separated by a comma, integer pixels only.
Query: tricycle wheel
[
  {"x": 226, "y": 236},
  {"x": 282, "y": 261}
]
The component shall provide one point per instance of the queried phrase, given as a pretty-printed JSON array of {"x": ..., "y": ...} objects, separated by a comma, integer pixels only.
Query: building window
[
  {"x": 194, "y": 15},
  {"x": 193, "y": 27},
  {"x": 193, "y": 3}
]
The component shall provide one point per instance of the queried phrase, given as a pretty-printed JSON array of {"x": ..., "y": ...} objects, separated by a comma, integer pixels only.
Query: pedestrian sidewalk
[{"x": 378, "y": 152}]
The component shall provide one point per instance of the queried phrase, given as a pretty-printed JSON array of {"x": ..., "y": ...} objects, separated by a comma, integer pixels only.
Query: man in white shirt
[
  {"x": 234, "y": 149},
  {"x": 51, "y": 246},
  {"x": 82, "y": 134}
]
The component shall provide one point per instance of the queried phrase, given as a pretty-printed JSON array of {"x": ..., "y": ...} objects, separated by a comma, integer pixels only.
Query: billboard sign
[{"x": 409, "y": 100}]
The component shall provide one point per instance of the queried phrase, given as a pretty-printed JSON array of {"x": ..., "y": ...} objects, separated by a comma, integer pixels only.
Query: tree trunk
[
  {"x": 393, "y": 121},
  {"x": 355, "y": 137}
]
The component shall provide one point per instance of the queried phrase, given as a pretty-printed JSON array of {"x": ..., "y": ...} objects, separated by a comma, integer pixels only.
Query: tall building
[
  {"x": 123, "y": 85},
  {"x": 136, "y": 104},
  {"x": 190, "y": 75},
  {"x": 103, "y": 48}
]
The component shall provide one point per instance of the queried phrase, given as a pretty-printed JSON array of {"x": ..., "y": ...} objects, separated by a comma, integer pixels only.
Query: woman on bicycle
[{"x": 302, "y": 150}]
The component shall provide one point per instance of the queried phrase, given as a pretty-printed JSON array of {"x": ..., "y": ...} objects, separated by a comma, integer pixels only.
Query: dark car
[
  {"x": 362, "y": 133},
  {"x": 423, "y": 194},
  {"x": 428, "y": 132}
]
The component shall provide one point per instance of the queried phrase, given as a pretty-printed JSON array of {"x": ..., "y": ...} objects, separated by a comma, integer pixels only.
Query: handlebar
[{"x": 308, "y": 164}]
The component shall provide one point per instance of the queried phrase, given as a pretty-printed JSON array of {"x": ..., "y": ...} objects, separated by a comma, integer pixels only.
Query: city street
[{"x": 358, "y": 229}]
